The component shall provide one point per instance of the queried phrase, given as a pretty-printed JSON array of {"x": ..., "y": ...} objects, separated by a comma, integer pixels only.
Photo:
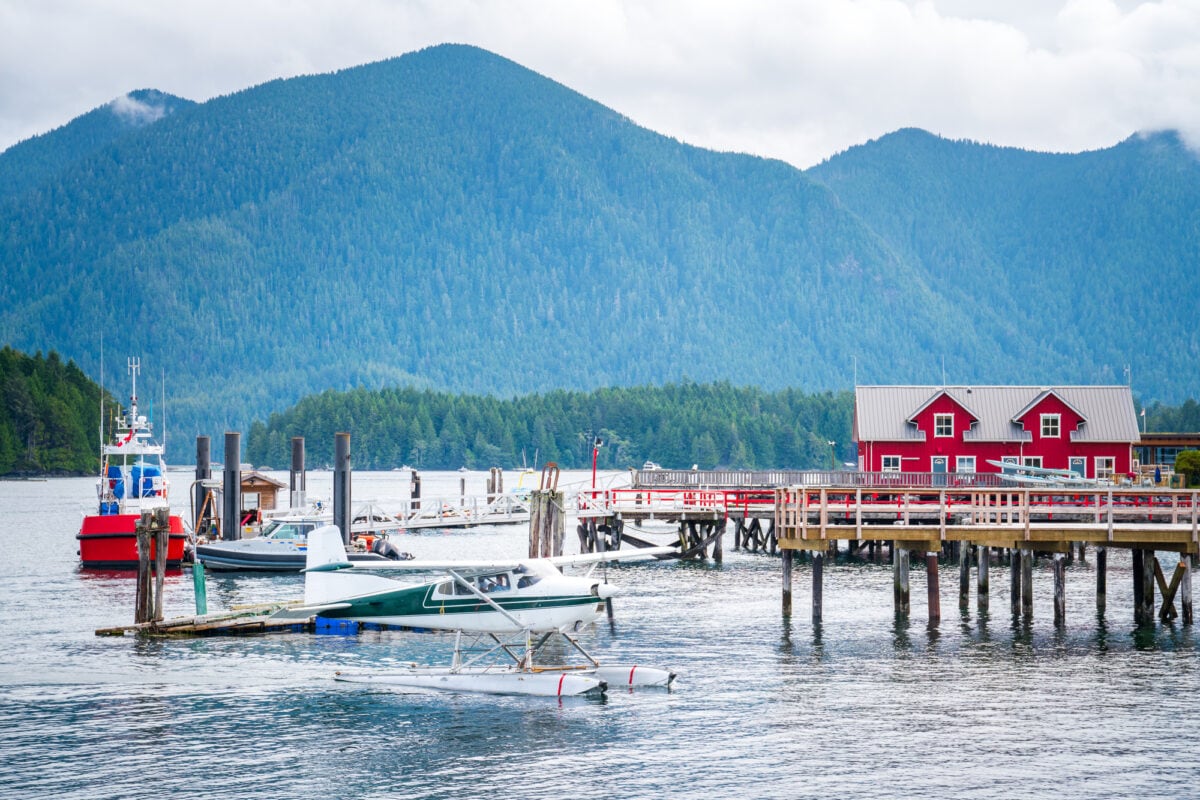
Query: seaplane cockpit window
[
  {"x": 493, "y": 583},
  {"x": 452, "y": 588}
]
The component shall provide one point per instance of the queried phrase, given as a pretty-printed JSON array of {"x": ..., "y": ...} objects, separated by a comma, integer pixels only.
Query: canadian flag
[{"x": 125, "y": 441}]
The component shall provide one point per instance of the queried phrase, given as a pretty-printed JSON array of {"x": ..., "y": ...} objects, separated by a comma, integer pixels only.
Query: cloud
[
  {"x": 137, "y": 112},
  {"x": 793, "y": 79}
]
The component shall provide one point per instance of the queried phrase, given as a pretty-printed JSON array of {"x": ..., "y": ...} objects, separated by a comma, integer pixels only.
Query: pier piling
[
  {"x": 981, "y": 582},
  {"x": 231, "y": 509},
  {"x": 1014, "y": 572},
  {"x": 900, "y": 578},
  {"x": 1185, "y": 587},
  {"x": 1027, "y": 583},
  {"x": 296, "y": 476},
  {"x": 1101, "y": 579},
  {"x": 203, "y": 473},
  {"x": 341, "y": 484},
  {"x": 1060, "y": 589},
  {"x": 964, "y": 576},
  {"x": 787, "y": 583},
  {"x": 932, "y": 590},
  {"x": 818, "y": 580}
]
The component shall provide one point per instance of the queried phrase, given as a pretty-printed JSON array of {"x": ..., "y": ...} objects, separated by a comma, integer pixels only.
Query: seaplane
[
  {"x": 1040, "y": 476},
  {"x": 503, "y": 614}
]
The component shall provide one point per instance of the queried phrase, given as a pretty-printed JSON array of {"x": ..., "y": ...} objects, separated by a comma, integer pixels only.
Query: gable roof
[{"x": 884, "y": 413}]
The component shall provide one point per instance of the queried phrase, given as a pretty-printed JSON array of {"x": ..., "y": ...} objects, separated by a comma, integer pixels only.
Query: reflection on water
[{"x": 848, "y": 707}]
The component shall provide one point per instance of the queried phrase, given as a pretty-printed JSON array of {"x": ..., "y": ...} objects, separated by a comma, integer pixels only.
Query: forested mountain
[
  {"x": 1076, "y": 264},
  {"x": 677, "y": 425},
  {"x": 449, "y": 220},
  {"x": 50, "y": 418},
  {"x": 35, "y": 161}
]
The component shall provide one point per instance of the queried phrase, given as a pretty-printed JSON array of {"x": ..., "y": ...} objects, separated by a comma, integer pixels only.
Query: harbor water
[{"x": 864, "y": 705}]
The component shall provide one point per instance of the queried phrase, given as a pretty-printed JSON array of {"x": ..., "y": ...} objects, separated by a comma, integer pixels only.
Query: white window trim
[
  {"x": 1032, "y": 461},
  {"x": 1111, "y": 467},
  {"x": 1057, "y": 425},
  {"x": 958, "y": 463},
  {"x": 949, "y": 435},
  {"x": 883, "y": 461}
]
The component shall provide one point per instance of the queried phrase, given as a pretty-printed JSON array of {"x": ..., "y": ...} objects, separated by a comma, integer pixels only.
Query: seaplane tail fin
[
  {"x": 329, "y": 577},
  {"x": 326, "y": 556}
]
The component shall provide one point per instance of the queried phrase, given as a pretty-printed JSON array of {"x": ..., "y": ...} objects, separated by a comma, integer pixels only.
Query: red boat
[{"x": 132, "y": 480}]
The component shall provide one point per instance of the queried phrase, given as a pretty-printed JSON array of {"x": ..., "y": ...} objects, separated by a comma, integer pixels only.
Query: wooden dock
[{"x": 935, "y": 520}]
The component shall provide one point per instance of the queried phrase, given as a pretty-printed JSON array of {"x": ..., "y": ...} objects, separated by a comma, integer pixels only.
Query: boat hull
[
  {"x": 110, "y": 541},
  {"x": 273, "y": 558},
  {"x": 485, "y": 680}
]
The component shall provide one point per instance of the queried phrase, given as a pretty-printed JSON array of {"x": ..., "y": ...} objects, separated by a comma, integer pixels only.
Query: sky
[{"x": 798, "y": 80}]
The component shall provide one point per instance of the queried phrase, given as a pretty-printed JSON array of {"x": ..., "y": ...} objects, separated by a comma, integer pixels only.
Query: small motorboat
[{"x": 283, "y": 545}]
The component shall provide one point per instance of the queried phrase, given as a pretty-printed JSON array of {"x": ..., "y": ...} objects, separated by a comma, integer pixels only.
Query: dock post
[
  {"x": 231, "y": 508},
  {"x": 964, "y": 575},
  {"x": 142, "y": 601},
  {"x": 162, "y": 539},
  {"x": 1027, "y": 583},
  {"x": 415, "y": 492},
  {"x": 341, "y": 484},
  {"x": 900, "y": 578},
  {"x": 1060, "y": 589},
  {"x": 718, "y": 550},
  {"x": 933, "y": 589},
  {"x": 1101, "y": 579},
  {"x": 787, "y": 582},
  {"x": 200, "y": 588},
  {"x": 818, "y": 580},
  {"x": 296, "y": 477},
  {"x": 1014, "y": 571},
  {"x": 545, "y": 523},
  {"x": 981, "y": 582},
  {"x": 1185, "y": 586},
  {"x": 203, "y": 473}
]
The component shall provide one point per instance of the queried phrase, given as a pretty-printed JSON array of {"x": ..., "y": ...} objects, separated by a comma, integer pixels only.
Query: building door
[
  {"x": 938, "y": 465},
  {"x": 1079, "y": 466}
]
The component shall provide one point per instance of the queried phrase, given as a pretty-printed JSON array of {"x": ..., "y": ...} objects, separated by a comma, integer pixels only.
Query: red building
[{"x": 1090, "y": 430}]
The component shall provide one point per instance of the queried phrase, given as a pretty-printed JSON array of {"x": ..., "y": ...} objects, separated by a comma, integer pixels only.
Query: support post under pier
[
  {"x": 931, "y": 580},
  {"x": 900, "y": 578}
]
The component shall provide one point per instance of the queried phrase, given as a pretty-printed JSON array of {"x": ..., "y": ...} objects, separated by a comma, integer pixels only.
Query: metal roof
[{"x": 885, "y": 413}]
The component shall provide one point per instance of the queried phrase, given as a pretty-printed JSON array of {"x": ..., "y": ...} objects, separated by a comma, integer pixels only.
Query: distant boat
[{"x": 650, "y": 465}]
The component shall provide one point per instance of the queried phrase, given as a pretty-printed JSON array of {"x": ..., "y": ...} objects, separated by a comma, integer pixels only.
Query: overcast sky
[{"x": 798, "y": 80}]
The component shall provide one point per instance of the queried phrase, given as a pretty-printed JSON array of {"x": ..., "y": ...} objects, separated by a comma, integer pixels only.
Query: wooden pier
[{"x": 933, "y": 520}]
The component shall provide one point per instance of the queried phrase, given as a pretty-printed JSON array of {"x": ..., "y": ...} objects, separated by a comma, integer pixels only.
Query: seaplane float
[{"x": 503, "y": 615}]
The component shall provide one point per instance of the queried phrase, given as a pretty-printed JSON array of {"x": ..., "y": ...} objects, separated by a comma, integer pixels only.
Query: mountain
[
  {"x": 450, "y": 220},
  {"x": 1082, "y": 263},
  {"x": 37, "y": 160}
]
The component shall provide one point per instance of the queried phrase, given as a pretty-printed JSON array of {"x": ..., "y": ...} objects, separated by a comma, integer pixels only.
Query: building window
[
  {"x": 1032, "y": 461},
  {"x": 943, "y": 424},
  {"x": 1051, "y": 425},
  {"x": 964, "y": 464},
  {"x": 890, "y": 464},
  {"x": 1104, "y": 468}
]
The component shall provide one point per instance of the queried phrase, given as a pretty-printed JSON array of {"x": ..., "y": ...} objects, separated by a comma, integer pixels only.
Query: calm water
[{"x": 864, "y": 706}]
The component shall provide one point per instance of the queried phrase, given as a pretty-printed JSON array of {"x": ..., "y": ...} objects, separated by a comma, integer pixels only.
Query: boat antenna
[
  {"x": 102, "y": 384},
  {"x": 163, "y": 431}
]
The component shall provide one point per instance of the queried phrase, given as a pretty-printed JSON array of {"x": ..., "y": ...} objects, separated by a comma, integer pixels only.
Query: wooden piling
[
  {"x": 143, "y": 603},
  {"x": 1060, "y": 589},
  {"x": 1014, "y": 572},
  {"x": 932, "y": 588},
  {"x": 1139, "y": 587},
  {"x": 964, "y": 576},
  {"x": 231, "y": 509},
  {"x": 718, "y": 550},
  {"x": 341, "y": 484},
  {"x": 203, "y": 473},
  {"x": 1185, "y": 587},
  {"x": 982, "y": 589},
  {"x": 818, "y": 580},
  {"x": 415, "y": 491},
  {"x": 787, "y": 582},
  {"x": 1101, "y": 579},
  {"x": 161, "y": 526},
  {"x": 1027, "y": 583},
  {"x": 900, "y": 578},
  {"x": 1147, "y": 611}
]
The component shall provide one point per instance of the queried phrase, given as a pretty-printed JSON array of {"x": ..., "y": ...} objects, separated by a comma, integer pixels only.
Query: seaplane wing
[{"x": 640, "y": 554}]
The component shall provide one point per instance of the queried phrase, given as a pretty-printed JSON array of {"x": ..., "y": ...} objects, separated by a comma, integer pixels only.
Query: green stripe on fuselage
[{"x": 419, "y": 601}]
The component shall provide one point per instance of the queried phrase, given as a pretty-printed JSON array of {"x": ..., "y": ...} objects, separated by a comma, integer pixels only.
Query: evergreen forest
[
  {"x": 50, "y": 423},
  {"x": 676, "y": 426}
]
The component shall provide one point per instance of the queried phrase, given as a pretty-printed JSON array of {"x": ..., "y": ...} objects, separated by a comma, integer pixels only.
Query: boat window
[{"x": 284, "y": 531}]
